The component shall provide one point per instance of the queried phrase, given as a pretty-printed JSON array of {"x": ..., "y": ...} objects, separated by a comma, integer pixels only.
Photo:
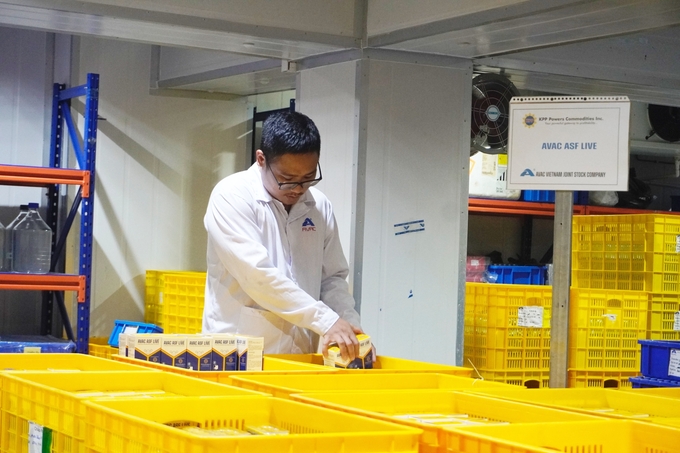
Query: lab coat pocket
[{"x": 263, "y": 323}]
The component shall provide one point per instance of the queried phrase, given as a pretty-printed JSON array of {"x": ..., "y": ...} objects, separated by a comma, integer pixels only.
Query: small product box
[
  {"x": 224, "y": 353},
  {"x": 199, "y": 353},
  {"x": 146, "y": 346},
  {"x": 122, "y": 344},
  {"x": 364, "y": 361},
  {"x": 250, "y": 350},
  {"x": 174, "y": 350}
]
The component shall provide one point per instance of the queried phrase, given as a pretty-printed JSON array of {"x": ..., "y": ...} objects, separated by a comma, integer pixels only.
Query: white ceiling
[{"x": 569, "y": 46}]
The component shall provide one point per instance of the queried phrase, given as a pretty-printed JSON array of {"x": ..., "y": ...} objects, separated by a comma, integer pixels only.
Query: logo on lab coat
[{"x": 308, "y": 225}]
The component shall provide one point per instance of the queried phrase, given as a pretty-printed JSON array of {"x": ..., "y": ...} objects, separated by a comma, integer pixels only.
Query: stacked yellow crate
[
  {"x": 174, "y": 300},
  {"x": 507, "y": 332},
  {"x": 625, "y": 287}
]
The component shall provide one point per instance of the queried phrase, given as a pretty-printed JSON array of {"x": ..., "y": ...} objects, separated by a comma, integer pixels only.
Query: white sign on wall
[{"x": 569, "y": 143}]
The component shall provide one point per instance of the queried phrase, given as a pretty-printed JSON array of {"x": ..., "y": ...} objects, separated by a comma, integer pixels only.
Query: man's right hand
[{"x": 344, "y": 335}]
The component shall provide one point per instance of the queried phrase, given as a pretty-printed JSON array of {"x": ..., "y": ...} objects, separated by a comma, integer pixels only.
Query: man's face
[{"x": 286, "y": 169}]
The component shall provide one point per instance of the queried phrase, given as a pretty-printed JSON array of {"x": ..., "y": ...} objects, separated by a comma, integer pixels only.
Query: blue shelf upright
[{"x": 85, "y": 153}]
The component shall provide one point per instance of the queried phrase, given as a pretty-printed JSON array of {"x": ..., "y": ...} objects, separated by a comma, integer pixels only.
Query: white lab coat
[{"x": 273, "y": 274}]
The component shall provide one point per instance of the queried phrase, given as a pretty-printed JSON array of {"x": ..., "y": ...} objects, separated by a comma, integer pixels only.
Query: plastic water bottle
[
  {"x": 9, "y": 238},
  {"x": 32, "y": 243}
]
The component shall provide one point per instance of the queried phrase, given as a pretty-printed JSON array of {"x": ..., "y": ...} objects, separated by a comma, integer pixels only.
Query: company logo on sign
[
  {"x": 527, "y": 172},
  {"x": 529, "y": 120},
  {"x": 308, "y": 225}
]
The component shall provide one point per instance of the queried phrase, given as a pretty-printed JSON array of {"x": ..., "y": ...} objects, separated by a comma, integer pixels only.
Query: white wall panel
[
  {"x": 24, "y": 95},
  {"x": 23, "y": 86},
  {"x": 410, "y": 139},
  {"x": 158, "y": 159},
  {"x": 327, "y": 95},
  {"x": 416, "y": 169}
]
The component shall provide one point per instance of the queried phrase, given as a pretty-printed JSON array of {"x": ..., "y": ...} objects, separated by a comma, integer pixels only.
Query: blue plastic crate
[
  {"x": 660, "y": 359},
  {"x": 548, "y": 196},
  {"x": 518, "y": 275},
  {"x": 131, "y": 327},
  {"x": 642, "y": 382}
]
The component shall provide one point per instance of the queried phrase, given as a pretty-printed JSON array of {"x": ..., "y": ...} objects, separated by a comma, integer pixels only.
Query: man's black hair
[{"x": 289, "y": 133}]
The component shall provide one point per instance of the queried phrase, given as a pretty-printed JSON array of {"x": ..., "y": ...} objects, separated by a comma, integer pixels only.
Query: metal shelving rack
[{"x": 54, "y": 283}]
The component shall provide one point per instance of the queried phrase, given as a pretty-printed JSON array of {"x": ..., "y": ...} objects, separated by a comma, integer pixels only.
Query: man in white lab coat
[{"x": 275, "y": 265}]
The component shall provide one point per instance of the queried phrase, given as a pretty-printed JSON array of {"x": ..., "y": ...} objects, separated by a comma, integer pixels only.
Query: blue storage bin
[
  {"x": 131, "y": 327},
  {"x": 541, "y": 196},
  {"x": 548, "y": 196},
  {"x": 35, "y": 343},
  {"x": 642, "y": 382},
  {"x": 518, "y": 275},
  {"x": 660, "y": 359}
]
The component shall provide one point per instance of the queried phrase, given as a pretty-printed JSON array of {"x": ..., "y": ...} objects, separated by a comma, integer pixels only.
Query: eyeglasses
[{"x": 293, "y": 185}]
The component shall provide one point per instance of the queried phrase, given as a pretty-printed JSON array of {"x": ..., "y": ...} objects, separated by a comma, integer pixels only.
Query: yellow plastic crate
[
  {"x": 661, "y": 317},
  {"x": 136, "y": 426},
  {"x": 525, "y": 378},
  {"x": 604, "y": 328},
  {"x": 61, "y": 362},
  {"x": 99, "y": 347},
  {"x": 499, "y": 342},
  {"x": 382, "y": 364},
  {"x": 269, "y": 366},
  {"x": 666, "y": 392},
  {"x": 609, "y": 403},
  {"x": 596, "y": 378},
  {"x": 54, "y": 400},
  {"x": 628, "y": 252},
  {"x": 393, "y": 405},
  {"x": 174, "y": 300},
  {"x": 606, "y": 436},
  {"x": 283, "y": 386}
]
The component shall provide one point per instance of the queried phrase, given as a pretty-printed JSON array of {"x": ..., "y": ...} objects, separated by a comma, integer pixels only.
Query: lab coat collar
[{"x": 306, "y": 201}]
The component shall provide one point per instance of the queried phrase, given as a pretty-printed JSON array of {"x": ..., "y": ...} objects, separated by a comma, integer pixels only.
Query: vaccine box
[
  {"x": 146, "y": 347},
  {"x": 199, "y": 353},
  {"x": 363, "y": 361},
  {"x": 174, "y": 350},
  {"x": 250, "y": 351},
  {"x": 122, "y": 344},
  {"x": 224, "y": 352}
]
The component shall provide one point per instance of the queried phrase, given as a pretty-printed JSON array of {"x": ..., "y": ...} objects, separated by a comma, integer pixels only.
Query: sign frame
[{"x": 569, "y": 143}]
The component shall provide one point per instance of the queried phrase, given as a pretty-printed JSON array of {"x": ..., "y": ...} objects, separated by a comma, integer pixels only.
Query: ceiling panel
[
  {"x": 158, "y": 32},
  {"x": 575, "y": 23}
]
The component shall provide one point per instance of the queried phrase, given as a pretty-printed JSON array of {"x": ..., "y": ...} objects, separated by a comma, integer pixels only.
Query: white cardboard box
[{"x": 488, "y": 173}]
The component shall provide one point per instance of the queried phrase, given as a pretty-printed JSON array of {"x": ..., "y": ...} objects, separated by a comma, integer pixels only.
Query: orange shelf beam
[
  {"x": 605, "y": 210},
  {"x": 509, "y": 207},
  {"x": 44, "y": 282},
  {"x": 16, "y": 175},
  {"x": 484, "y": 205}
]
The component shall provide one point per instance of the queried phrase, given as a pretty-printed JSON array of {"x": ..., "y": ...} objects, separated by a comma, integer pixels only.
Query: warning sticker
[{"x": 530, "y": 316}]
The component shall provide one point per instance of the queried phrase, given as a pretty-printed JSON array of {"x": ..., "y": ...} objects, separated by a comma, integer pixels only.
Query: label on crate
[
  {"x": 677, "y": 243},
  {"x": 530, "y": 316},
  {"x": 674, "y": 363},
  {"x": 39, "y": 438},
  {"x": 676, "y": 324}
]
